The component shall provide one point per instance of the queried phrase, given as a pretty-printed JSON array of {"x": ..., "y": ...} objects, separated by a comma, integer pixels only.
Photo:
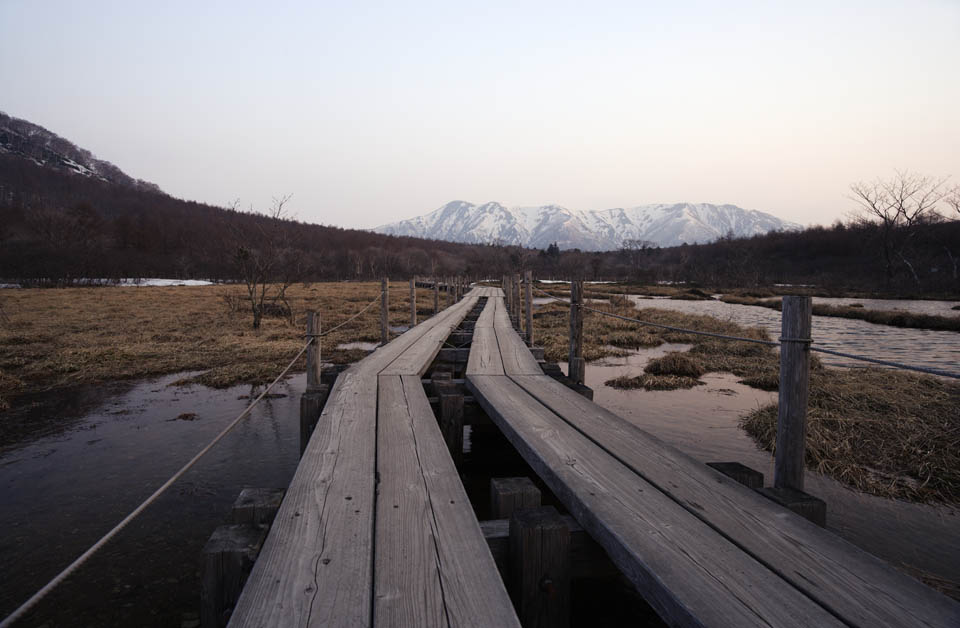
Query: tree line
[{"x": 60, "y": 229}]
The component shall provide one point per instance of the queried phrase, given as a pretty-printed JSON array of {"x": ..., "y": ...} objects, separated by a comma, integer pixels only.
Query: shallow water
[
  {"x": 938, "y": 308},
  {"x": 60, "y": 493},
  {"x": 703, "y": 422},
  {"x": 917, "y": 347}
]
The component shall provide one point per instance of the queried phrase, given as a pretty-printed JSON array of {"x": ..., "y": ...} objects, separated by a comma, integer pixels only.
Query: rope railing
[
  {"x": 93, "y": 549},
  {"x": 851, "y": 356},
  {"x": 80, "y": 560}
]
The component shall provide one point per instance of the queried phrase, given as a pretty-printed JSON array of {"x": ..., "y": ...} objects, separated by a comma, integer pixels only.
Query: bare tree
[
  {"x": 898, "y": 205},
  {"x": 267, "y": 260},
  {"x": 952, "y": 198}
]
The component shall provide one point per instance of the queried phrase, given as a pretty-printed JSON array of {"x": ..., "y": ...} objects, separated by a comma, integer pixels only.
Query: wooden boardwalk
[
  {"x": 701, "y": 548},
  {"x": 376, "y": 528}
]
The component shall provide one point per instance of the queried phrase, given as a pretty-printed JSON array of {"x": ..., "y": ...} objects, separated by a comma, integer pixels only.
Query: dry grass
[
  {"x": 885, "y": 432},
  {"x": 909, "y": 320},
  {"x": 59, "y": 338},
  {"x": 888, "y": 433},
  {"x": 653, "y": 382}
]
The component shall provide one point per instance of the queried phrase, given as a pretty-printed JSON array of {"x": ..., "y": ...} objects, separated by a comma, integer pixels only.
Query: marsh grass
[
  {"x": 885, "y": 432},
  {"x": 61, "y": 338}
]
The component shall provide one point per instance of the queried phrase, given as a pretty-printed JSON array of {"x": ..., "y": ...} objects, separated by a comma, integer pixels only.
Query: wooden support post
[
  {"x": 451, "y": 418},
  {"x": 228, "y": 558},
  {"x": 314, "y": 367},
  {"x": 528, "y": 304},
  {"x": 413, "y": 303},
  {"x": 257, "y": 505},
  {"x": 436, "y": 296},
  {"x": 510, "y": 494},
  {"x": 311, "y": 405},
  {"x": 516, "y": 300},
  {"x": 312, "y": 400},
  {"x": 794, "y": 388},
  {"x": 540, "y": 567},
  {"x": 384, "y": 311},
  {"x": 577, "y": 365}
]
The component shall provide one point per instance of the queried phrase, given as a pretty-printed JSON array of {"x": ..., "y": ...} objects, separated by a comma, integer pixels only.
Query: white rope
[
  {"x": 39, "y": 595},
  {"x": 898, "y": 365}
]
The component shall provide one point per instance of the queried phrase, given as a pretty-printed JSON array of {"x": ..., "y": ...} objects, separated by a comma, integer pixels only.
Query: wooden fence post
[
  {"x": 577, "y": 365},
  {"x": 794, "y": 388},
  {"x": 516, "y": 300},
  {"x": 413, "y": 303},
  {"x": 384, "y": 311},
  {"x": 528, "y": 303},
  {"x": 436, "y": 296},
  {"x": 313, "y": 398},
  {"x": 313, "y": 351}
]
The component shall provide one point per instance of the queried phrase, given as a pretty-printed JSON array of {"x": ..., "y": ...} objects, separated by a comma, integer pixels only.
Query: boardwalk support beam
[
  {"x": 794, "y": 388},
  {"x": 540, "y": 567},
  {"x": 528, "y": 304},
  {"x": 510, "y": 494},
  {"x": 577, "y": 366}
]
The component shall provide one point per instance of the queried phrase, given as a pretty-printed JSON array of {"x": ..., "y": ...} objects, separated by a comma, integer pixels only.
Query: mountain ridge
[
  {"x": 45, "y": 148},
  {"x": 589, "y": 230}
]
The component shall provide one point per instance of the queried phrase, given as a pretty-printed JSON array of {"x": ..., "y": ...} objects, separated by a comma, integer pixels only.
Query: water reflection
[
  {"x": 920, "y": 347},
  {"x": 704, "y": 423},
  {"x": 60, "y": 493}
]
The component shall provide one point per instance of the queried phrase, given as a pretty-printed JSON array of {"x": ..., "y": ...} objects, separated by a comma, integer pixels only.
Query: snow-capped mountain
[
  {"x": 595, "y": 230},
  {"x": 45, "y": 148}
]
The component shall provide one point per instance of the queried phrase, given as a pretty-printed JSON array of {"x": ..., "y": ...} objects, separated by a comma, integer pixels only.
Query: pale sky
[{"x": 373, "y": 112}]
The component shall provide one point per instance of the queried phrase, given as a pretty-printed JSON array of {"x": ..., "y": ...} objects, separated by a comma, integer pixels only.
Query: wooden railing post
[
  {"x": 794, "y": 388},
  {"x": 528, "y": 304},
  {"x": 577, "y": 366},
  {"x": 515, "y": 286},
  {"x": 384, "y": 311},
  {"x": 436, "y": 296},
  {"x": 313, "y": 351},
  {"x": 313, "y": 398},
  {"x": 413, "y": 302}
]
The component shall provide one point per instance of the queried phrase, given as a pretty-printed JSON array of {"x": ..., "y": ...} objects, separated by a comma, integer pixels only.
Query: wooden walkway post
[
  {"x": 794, "y": 388},
  {"x": 540, "y": 567},
  {"x": 413, "y": 303},
  {"x": 515, "y": 286},
  {"x": 528, "y": 304},
  {"x": 436, "y": 296},
  {"x": 384, "y": 311},
  {"x": 577, "y": 366},
  {"x": 313, "y": 398}
]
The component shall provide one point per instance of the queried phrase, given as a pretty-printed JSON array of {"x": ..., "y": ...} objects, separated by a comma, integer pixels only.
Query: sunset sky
[{"x": 367, "y": 112}]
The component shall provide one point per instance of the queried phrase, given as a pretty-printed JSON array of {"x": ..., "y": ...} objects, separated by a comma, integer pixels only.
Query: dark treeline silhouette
[{"x": 58, "y": 229}]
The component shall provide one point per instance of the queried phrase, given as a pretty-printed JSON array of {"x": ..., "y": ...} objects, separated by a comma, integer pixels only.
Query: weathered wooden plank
[
  {"x": 417, "y": 357},
  {"x": 687, "y": 571},
  {"x": 858, "y": 587},
  {"x": 484, "y": 350},
  {"x": 473, "y": 592},
  {"x": 406, "y": 571},
  {"x": 516, "y": 356},
  {"x": 315, "y": 567}
]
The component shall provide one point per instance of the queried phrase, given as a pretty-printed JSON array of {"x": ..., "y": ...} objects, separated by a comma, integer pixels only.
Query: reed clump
[
  {"x": 648, "y": 381},
  {"x": 887, "y": 433}
]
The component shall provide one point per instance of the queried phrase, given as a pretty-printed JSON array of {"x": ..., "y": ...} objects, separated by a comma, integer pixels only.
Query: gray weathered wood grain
[
  {"x": 687, "y": 571},
  {"x": 858, "y": 587}
]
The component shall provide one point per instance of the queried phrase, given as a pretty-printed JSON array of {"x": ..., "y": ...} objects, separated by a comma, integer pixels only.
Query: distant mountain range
[
  {"x": 45, "y": 148},
  {"x": 595, "y": 230}
]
